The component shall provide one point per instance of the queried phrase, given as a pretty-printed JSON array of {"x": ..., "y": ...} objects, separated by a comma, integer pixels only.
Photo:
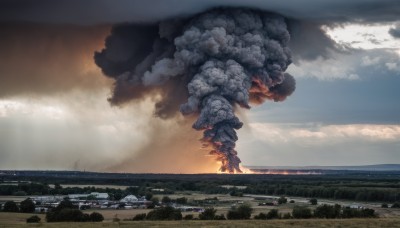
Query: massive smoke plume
[{"x": 212, "y": 62}]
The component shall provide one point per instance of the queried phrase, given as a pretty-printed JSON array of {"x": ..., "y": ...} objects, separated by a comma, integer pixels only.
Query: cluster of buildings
[
  {"x": 92, "y": 200},
  {"x": 100, "y": 201}
]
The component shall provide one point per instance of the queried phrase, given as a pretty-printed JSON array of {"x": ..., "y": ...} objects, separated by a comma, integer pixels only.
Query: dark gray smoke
[{"x": 213, "y": 61}]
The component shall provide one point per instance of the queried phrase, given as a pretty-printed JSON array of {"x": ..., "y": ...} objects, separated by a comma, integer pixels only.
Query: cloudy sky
[{"x": 54, "y": 112}]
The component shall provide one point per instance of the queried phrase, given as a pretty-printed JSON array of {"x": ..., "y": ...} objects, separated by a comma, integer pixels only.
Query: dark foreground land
[{"x": 364, "y": 223}]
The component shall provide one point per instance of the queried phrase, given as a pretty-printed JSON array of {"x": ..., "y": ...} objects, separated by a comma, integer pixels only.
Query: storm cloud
[
  {"x": 108, "y": 11},
  {"x": 395, "y": 31}
]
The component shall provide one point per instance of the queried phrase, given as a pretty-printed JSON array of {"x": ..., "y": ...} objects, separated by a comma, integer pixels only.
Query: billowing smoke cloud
[{"x": 214, "y": 61}]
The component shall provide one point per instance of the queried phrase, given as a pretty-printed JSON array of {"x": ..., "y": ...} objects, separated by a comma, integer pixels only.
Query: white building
[
  {"x": 129, "y": 199},
  {"x": 77, "y": 196},
  {"x": 97, "y": 195},
  {"x": 47, "y": 199},
  {"x": 100, "y": 196},
  {"x": 41, "y": 209}
]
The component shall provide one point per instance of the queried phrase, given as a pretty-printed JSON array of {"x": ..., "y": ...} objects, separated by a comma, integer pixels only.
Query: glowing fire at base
[
  {"x": 243, "y": 169},
  {"x": 272, "y": 172}
]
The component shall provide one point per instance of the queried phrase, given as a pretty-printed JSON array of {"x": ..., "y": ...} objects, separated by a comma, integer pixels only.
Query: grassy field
[
  {"x": 239, "y": 223},
  {"x": 18, "y": 220},
  {"x": 13, "y": 198}
]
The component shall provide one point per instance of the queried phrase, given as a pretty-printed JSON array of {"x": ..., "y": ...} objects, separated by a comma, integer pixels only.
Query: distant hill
[{"x": 378, "y": 167}]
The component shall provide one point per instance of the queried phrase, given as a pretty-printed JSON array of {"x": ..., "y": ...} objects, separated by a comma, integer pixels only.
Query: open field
[
  {"x": 392, "y": 222},
  {"x": 13, "y": 198},
  {"x": 16, "y": 218}
]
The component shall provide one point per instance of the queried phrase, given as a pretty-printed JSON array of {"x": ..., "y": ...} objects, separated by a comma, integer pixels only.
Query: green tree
[
  {"x": 96, "y": 217},
  {"x": 182, "y": 200},
  {"x": 57, "y": 186},
  {"x": 261, "y": 216},
  {"x": 242, "y": 212},
  {"x": 27, "y": 206},
  {"x": 367, "y": 213},
  {"x": 282, "y": 200},
  {"x": 166, "y": 200},
  {"x": 132, "y": 190},
  {"x": 65, "y": 211},
  {"x": 164, "y": 213},
  {"x": 154, "y": 201},
  {"x": 313, "y": 201},
  {"x": 91, "y": 197},
  {"x": 117, "y": 196},
  {"x": 188, "y": 217},
  {"x": 208, "y": 214},
  {"x": 396, "y": 205},
  {"x": 33, "y": 219},
  {"x": 139, "y": 217},
  {"x": 66, "y": 203},
  {"x": 327, "y": 211},
  {"x": 300, "y": 212},
  {"x": 10, "y": 206},
  {"x": 287, "y": 216},
  {"x": 149, "y": 195},
  {"x": 65, "y": 215},
  {"x": 348, "y": 212},
  {"x": 236, "y": 192},
  {"x": 220, "y": 217},
  {"x": 273, "y": 214}
]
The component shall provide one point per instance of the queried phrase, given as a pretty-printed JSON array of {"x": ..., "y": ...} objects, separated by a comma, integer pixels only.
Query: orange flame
[
  {"x": 244, "y": 171},
  {"x": 259, "y": 92},
  {"x": 271, "y": 172}
]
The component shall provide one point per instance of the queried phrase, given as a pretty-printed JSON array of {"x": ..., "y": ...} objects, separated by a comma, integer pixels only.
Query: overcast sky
[{"x": 54, "y": 112}]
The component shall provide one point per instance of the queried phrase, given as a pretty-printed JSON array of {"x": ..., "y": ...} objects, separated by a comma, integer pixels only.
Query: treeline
[
  {"x": 244, "y": 211},
  {"x": 67, "y": 212},
  {"x": 26, "y": 206},
  {"x": 322, "y": 211},
  {"x": 310, "y": 191},
  {"x": 349, "y": 190},
  {"x": 357, "y": 194}
]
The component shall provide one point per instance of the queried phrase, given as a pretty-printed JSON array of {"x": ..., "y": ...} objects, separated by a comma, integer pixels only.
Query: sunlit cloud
[
  {"x": 30, "y": 109},
  {"x": 333, "y": 69},
  {"x": 364, "y": 36},
  {"x": 290, "y": 133}
]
